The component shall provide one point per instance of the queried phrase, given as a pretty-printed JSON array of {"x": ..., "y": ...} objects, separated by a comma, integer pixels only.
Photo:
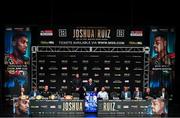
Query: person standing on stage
[
  {"x": 77, "y": 86},
  {"x": 90, "y": 86}
]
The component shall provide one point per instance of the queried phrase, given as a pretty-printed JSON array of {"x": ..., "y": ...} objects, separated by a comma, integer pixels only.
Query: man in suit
[
  {"x": 163, "y": 94},
  {"x": 90, "y": 86},
  {"x": 34, "y": 92},
  {"x": 77, "y": 86},
  {"x": 126, "y": 94},
  {"x": 46, "y": 92},
  {"x": 137, "y": 94},
  {"x": 148, "y": 94}
]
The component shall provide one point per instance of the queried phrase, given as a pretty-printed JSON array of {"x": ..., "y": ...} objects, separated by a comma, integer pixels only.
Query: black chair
[
  {"x": 75, "y": 95},
  {"x": 114, "y": 95}
]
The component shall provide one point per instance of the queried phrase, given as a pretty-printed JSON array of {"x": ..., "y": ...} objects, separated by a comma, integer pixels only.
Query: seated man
[
  {"x": 46, "y": 92},
  {"x": 148, "y": 94},
  {"x": 137, "y": 94},
  {"x": 163, "y": 94},
  {"x": 114, "y": 95},
  {"x": 34, "y": 92},
  {"x": 103, "y": 94},
  {"x": 126, "y": 94}
]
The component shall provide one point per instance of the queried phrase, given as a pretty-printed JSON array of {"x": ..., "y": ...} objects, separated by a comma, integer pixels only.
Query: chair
[
  {"x": 114, "y": 95},
  {"x": 75, "y": 95}
]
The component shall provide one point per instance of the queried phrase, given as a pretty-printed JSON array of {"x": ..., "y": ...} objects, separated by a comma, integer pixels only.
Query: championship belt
[{"x": 68, "y": 97}]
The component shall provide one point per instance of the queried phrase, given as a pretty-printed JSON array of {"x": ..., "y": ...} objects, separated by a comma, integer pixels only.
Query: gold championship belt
[
  {"x": 68, "y": 97},
  {"x": 24, "y": 97},
  {"x": 52, "y": 97},
  {"x": 39, "y": 97}
]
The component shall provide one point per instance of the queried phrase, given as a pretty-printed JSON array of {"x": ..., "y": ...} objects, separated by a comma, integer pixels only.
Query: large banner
[
  {"x": 162, "y": 53},
  {"x": 142, "y": 108},
  {"x": 17, "y": 60},
  {"x": 112, "y": 56}
]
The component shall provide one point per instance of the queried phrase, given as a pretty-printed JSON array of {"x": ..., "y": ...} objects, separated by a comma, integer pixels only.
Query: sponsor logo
[
  {"x": 64, "y": 74},
  {"x": 107, "y": 61},
  {"x": 134, "y": 106},
  {"x": 53, "y": 81},
  {"x": 53, "y": 68},
  {"x": 126, "y": 74},
  {"x": 53, "y": 74},
  {"x": 41, "y": 81},
  {"x": 52, "y": 107},
  {"x": 64, "y": 87},
  {"x": 120, "y": 33},
  {"x": 126, "y": 81},
  {"x": 85, "y": 61},
  {"x": 85, "y": 74},
  {"x": 127, "y": 61},
  {"x": 64, "y": 61},
  {"x": 85, "y": 81},
  {"x": 125, "y": 106},
  {"x": 106, "y": 74},
  {"x": 96, "y": 74},
  {"x": 41, "y": 74},
  {"x": 64, "y": 68},
  {"x": 52, "y": 87},
  {"x": 154, "y": 30},
  {"x": 48, "y": 32},
  {"x": 138, "y": 68},
  {"x": 106, "y": 81},
  {"x": 96, "y": 68},
  {"x": 62, "y": 32},
  {"x": 117, "y": 81},
  {"x": 117, "y": 68},
  {"x": 117, "y": 75},
  {"x": 106, "y": 68},
  {"x": 41, "y": 61},
  {"x": 75, "y": 68},
  {"x": 85, "y": 68},
  {"x": 117, "y": 88},
  {"x": 96, "y": 81},
  {"x": 136, "y": 33},
  {"x": 138, "y": 81},
  {"x": 52, "y": 61},
  {"x": 44, "y": 106},
  {"x": 34, "y": 106},
  {"x": 137, "y": 75},
  {"x": 64, "y": 81}
]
